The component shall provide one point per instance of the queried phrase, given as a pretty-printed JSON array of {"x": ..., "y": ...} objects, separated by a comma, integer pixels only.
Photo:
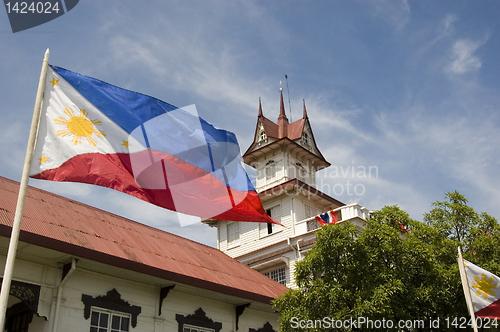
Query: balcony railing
[{"x": 344, "y": 213}]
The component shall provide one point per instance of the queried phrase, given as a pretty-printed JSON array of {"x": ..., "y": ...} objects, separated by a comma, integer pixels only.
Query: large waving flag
[
  {"x": 96, "y": 133},
  {"x": 484, "y": 288},
  {"x": 327, "y": 218}
]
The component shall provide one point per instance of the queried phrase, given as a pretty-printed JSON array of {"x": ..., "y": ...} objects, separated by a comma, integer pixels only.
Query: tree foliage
[
  {"x": 395, "y": 269},
  {"x": 477, "y": 233}
]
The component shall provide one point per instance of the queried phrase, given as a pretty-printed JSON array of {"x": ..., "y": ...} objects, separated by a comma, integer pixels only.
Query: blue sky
[{"x": 408, "y": 88}]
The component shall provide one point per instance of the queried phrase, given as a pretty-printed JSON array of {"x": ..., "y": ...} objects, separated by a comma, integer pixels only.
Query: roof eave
[
  {"x": 251, "y": 156},
  {"x": 100, "y": 257},
  {"x": 296, "y": 183}
]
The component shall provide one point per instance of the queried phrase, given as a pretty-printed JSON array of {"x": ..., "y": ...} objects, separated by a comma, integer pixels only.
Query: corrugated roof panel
[
  {"x": 295, "y": 129},
  {"x": 270, "y": 128},
  {"x": 58, "y": 218}
]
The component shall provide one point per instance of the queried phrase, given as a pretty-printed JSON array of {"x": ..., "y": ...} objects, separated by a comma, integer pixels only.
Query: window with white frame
[
  {"x": 309, "y": 211},
  {"x": 109, "y": 313},
  {"x": 108, "y": 321},
  {"x": 278, "y": 275},
  {"x": 270, "y": 172},
  {"x": 270, "y": 228},
  {"x": 190, "y": 328},
  {"x": 302, "y": 172},
  {"x": 197, "y": 322},
  {"x": 233, "y": 234}
]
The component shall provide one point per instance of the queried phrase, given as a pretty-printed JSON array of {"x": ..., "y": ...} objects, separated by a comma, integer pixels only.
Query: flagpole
[
  {"x": 465, "y": 285},
  {"x": 16, "y": 226}
]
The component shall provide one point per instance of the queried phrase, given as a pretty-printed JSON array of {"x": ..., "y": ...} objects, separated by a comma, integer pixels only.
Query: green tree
[
  {"x": 477, "y": 233},
  {"x": 454, "y": 218},
  {"x": 387, "y": 272}
]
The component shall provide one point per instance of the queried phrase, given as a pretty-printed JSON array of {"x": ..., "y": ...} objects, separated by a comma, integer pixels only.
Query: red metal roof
[
  {"x": 65, "y": 225},
  {"x": 295, "y": 129},
  {"x": 280, "y": 131},
  {"x": 270, "y": 128}
]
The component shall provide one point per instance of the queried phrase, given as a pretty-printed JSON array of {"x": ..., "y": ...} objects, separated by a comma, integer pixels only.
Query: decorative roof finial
[
  {"x": 282, "y": 119},
  {"x": 282, "y": 105}
]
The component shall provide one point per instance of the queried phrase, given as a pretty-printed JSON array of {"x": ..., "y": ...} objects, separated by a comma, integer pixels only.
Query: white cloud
[
  {"x": 463, "y": 58},
  {"x": 201, "y": 56},
  {"x": 448, "y": 28},
  {"x": 216, "y": 73},
  {"x": 462, "y": 151},
  {"x": 327, "y": 118},
  {"x": 396, "y": 13}
]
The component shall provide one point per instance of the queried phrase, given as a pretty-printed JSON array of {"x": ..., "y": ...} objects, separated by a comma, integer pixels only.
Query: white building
[
  {"x": 82, "y": 269},
  {"x": 286, "y": 158}
]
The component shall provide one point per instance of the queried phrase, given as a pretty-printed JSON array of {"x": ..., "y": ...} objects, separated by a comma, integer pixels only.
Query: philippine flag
[
  {"x": 327, "y": 218},
  {"x": 484, "y": 290},
  {"x": 96, "y": 133}
]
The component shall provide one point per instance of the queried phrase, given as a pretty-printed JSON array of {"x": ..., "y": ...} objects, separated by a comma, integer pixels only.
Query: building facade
[
  {"x": 82, "y": 269},
  {"x": 286, "y": 159}
]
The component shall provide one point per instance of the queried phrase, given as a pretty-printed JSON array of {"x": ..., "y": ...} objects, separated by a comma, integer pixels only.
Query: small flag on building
[
  {"x": 401, "y": 226},
  {"x": 96, "y": 133},
  {"x": 484, "y": 288},
  {"x": 327, "y": 218}
]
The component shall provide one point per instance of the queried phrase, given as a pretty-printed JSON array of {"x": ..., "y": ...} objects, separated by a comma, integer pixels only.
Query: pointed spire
[
  {"x": 260, "y": 108},
  {"x": 304, "y": 116},
  {"x": 282, "y": 119},
  {"x": 282, "y": 105}
]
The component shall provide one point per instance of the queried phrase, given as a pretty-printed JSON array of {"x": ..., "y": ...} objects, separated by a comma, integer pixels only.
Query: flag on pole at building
[
  {"x": 484, "y": 289},
  {"x": 96, "y": 133},
  {"x": 327, "y": 218}
]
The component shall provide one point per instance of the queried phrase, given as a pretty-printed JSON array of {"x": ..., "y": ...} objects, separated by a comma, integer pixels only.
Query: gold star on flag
[
  {"x": 125, "y": 143},
  {"x": 54, "y": 81},
  {"x": 43, "y": 160}
]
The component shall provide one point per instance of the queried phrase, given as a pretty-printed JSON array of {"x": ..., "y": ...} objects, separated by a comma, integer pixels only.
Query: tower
[
  {"x": 286, "y": 159},
  {"x": 281, "y": 151}
]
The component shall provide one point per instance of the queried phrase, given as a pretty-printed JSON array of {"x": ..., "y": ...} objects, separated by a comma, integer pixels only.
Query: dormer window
[{"x": 262, "y": 133}]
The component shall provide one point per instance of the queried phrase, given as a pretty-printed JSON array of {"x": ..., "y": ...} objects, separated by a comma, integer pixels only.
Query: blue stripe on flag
[{"x": 155, "y": 123}]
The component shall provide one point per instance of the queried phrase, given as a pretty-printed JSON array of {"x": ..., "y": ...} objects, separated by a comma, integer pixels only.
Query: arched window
[{"x": 262, "y": 136}]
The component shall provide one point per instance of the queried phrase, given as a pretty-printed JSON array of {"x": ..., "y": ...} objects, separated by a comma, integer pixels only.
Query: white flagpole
[
  {"x": 465, "y": 285},
  {"x": 16, "y": 227}
]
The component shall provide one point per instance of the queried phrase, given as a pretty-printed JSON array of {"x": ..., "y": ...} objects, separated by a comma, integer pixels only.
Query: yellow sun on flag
[
  {"x": 484, "y": 286},
  {"x": 79, "y": 126}
]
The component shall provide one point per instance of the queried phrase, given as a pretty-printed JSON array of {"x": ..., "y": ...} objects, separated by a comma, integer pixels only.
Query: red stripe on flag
[
  {"x": 491, "y": 311},
  {"x": 190, "y": 189}
]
